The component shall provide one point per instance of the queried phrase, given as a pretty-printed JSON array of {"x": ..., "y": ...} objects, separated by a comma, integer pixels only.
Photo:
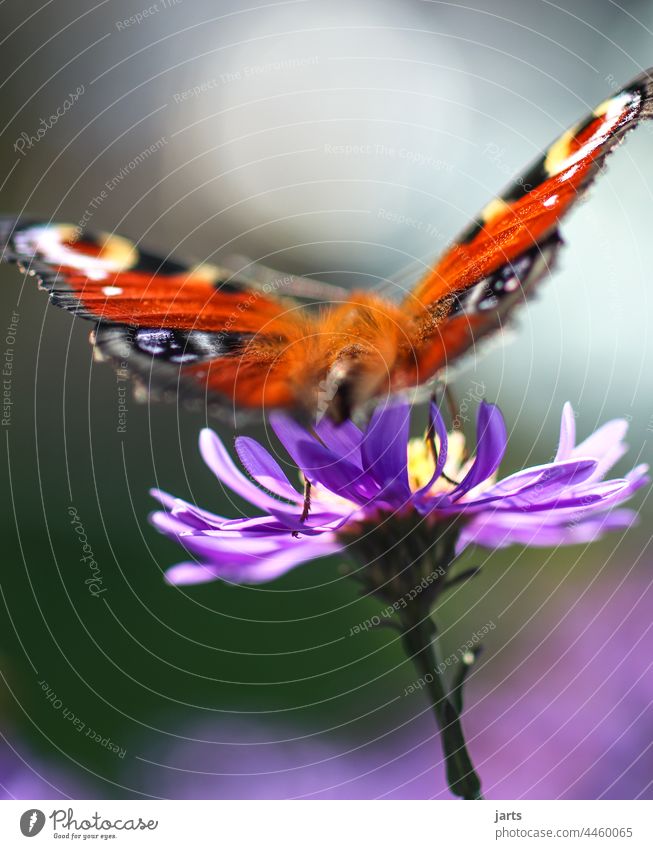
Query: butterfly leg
[
  {"x": 307, "y": 505},
  {"x": 430, "y": 431}
]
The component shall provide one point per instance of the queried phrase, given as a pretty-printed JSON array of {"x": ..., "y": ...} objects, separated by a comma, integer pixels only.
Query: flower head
[{"x": 379, "y": 478}]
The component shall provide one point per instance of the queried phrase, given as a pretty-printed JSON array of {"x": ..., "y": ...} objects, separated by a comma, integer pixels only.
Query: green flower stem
[{"x": 461, "y": 776}]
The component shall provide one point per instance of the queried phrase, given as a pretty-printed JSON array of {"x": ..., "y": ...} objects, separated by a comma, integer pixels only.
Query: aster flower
[
  {"x": 379, "y": 478},
  {"x": 402, "y": 510}
]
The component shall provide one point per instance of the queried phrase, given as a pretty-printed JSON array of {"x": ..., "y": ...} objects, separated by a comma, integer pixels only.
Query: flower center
[{"x": 421, "y": 464}]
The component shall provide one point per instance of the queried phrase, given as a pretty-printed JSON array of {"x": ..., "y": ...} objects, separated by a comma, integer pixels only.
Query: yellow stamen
[{"x": 421, "y": 464}]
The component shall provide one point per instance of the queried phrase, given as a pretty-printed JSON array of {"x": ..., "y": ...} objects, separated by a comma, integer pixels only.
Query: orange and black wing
[
  {"x": 198, "y": 331},
  {"x": 496, "y": 262}
]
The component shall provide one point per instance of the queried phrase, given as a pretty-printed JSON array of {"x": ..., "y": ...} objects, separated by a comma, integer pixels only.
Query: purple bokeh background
[{"x": 569, "y": 715}]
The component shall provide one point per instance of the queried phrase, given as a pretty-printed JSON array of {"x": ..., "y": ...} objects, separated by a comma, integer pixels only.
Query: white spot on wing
[{"x": 47, "y": 241}]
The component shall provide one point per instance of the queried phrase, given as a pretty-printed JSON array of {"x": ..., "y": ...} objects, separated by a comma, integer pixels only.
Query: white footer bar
[{"x": 328, "y": 825}]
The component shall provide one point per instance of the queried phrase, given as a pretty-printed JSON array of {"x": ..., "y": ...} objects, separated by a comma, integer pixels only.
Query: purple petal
[
  {"x": 290, "y": 434},
  {"x": 491, "y": 531},
  {"x": 194, "y": 516},
  {"x": 310, "y": 455},
  {"x": 592, "y": 496},
  {"x": 320, "y": 465},
  {"x": 166, "y": 524},
  {"x": 315, "y": 523},
  {"x": 567, "y": 433},
  {"x": 192, "y": 520},
  {"x": 343, "y": 439},
  {"x": 210, "y": 545},
  {"x": 284, "y": 523},
  {"x": 638, "y": 476},
  {"x": 295, "y": 554},
  {"x": 164, "y": 498},
  {"x": 605, "y": 445},
  {"x": 384, "y": 450},
  {"x": 254, "y": 570},
  {"x": 257, "y": 524},
  {"x": 262, "y": 466},
  {"x": 339, "y": 476},
  {"x": 441, "y": 432},
  {"x": 217, "y": 458},
  {"x": 602, "y": 440},
  {"x": 538, "y": 481},
  {"x": 491, "y": 443},
  {"x": 180, "y": 514},
  {"x": 186, "y": 574},
  {"x": 608, "y": 460}
]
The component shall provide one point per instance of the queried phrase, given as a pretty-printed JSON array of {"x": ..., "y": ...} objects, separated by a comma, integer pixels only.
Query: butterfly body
[
  {"x": 321, "y": 358},
  {"x": 242, "y": 337}
]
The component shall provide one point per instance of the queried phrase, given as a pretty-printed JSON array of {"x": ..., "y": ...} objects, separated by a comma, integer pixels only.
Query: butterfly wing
[
  {"x": 199, "y": 330},
  {"x": 496, "y": 262},
  {"x": 235, "y": 341}
]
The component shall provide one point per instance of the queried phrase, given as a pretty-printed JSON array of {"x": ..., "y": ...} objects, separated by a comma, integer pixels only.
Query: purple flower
[{"x": 380, "y": 478}]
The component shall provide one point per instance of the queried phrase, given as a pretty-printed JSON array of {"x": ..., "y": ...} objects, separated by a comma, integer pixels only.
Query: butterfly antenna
[{"x": 307, "y": 505}]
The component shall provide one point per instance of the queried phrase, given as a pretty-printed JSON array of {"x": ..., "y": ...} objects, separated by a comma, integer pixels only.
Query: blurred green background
[{"x": 246, "y": 166}]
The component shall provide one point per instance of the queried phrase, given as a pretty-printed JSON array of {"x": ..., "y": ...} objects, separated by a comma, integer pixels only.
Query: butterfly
[{"x": 241, "y": 337}]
